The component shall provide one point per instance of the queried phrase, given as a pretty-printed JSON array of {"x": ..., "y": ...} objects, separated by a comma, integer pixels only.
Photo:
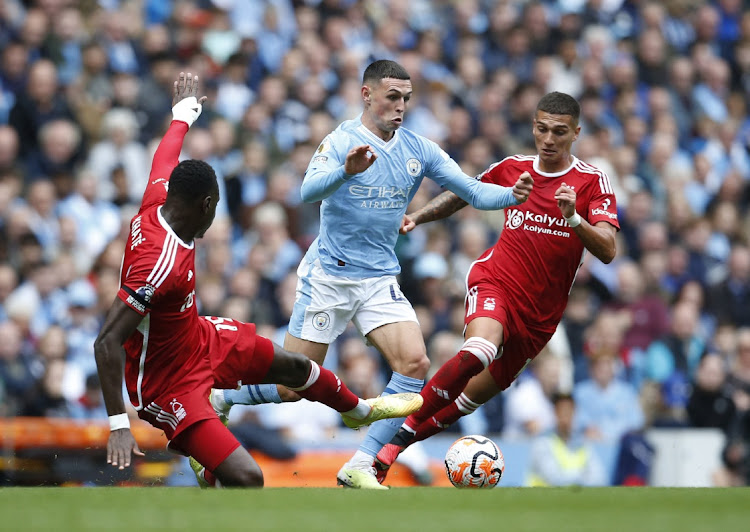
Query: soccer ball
[{"x": 474, "y": 462}]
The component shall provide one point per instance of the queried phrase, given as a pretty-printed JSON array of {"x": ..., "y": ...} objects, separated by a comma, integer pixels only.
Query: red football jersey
[
  {"x": 166, "y": 353},
  {"x": 537, "y": 256}
]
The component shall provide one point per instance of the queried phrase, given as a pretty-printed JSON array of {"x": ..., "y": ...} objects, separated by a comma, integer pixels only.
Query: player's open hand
[
  {"x": 566, "y": 200},
  {"x": 119, "y": 447},
  {"x": 407, "y": 224},
  {"x": 359, "y": 159},
  {"x": 186, "y": 106},
  {"x": 523, "y": 187},
  {"x": 186, "y": 86}
]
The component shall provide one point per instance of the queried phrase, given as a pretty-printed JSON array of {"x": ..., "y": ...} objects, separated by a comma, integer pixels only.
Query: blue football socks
[{"x": 253, "y": 394}]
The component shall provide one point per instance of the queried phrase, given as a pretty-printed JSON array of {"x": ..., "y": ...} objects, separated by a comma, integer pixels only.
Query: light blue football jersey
[{"x": 360, "y": 215}]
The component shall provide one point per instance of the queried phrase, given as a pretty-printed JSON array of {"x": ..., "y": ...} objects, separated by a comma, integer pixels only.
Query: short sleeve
[
  {"x": 603, "y": 205},
  {"x": 499, "y": 173}
]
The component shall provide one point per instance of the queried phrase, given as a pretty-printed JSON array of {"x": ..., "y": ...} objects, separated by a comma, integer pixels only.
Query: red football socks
[
  {"x": 209, "y": 477},
  {"x": 329, "y": 390},
  {"x": 442, "y": 389}
]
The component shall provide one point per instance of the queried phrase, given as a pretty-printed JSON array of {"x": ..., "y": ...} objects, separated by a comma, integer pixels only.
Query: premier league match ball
[{"x": 474, "y": 462}]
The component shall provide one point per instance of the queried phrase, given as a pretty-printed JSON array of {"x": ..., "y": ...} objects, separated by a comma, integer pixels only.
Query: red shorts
[
  {"x": 236, "y": 355},
  {"x": 208, "y": 441},
  {"x": 522, "y": 342}
]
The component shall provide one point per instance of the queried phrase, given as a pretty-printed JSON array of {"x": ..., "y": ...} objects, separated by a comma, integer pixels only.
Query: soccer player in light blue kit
[{"x": 366, "y": 172}]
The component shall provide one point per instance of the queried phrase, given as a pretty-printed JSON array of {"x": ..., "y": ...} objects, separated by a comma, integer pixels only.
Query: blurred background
[{"x": 654, "y": 348}]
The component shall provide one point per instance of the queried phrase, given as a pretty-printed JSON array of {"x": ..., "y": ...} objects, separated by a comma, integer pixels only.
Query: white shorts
[{"x": 325, "y": 304}]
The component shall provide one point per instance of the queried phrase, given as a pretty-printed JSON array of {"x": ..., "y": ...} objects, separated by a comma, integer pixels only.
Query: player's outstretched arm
[
  {"x": 120, "y": 323},
  {"x": 438, "y": 208},
  {"x": 186, "y": 108},
  {"x": 480, "y": 195}
]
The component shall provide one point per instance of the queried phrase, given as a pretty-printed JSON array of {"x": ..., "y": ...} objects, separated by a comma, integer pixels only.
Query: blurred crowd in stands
[{"x": 661, "y": 337}]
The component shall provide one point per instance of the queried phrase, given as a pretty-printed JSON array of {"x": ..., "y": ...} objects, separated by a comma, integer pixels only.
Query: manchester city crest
[
  {"x": 414, "y": 167},
  {"x": 321, "y": 321}
]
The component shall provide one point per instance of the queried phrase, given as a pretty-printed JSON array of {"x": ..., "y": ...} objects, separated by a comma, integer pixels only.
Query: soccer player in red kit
[
  {"x": 518, "y": 289},
  {"x": 173, "y": 357}
]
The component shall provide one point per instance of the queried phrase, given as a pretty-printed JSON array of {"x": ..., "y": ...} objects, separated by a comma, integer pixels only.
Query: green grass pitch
[{"x": 401, "y": 509}]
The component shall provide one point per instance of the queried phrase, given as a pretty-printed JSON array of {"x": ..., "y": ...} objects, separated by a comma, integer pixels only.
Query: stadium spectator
[
  {"x": 119, "y": 148},
  {"x": 739, "y": 371},
  {"x": 46, "y": 399},
  {"x": 8, "y": 283},
  {"x": 16, "y": 372},
  {"x": 710, "y": 403},
  {"x": 728, "y": 300},
  {"x": 90, "y": 405},
  {"x": 679, "y": 351},
  {"x": 607, "y": 407},
  {"x": 641, "y": 306},
  {"x": 64, "y": 43},
  {"x": 58, "y": 155},
  {"x": 268, "y": 237},
  {"x": 38, "y": 104},
  {"x": 81, "y": 325},
  {"x": 9, "y": 150},
  {"x": 528, "y": 409},
  {"x": 563, "y": 458}
]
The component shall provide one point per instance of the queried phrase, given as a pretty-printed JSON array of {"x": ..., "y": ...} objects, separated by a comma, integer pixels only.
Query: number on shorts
[
  {"x": 220, "y": 325},
  {"x": 396, "y": 294}
]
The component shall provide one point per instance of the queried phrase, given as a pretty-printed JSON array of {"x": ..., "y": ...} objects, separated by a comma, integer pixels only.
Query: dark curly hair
[
  {"x": 559, "y": 103},
  {"x": 191, "y": 180}
]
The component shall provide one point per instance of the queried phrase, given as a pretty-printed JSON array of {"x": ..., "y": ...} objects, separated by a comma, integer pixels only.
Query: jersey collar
[
  {"x": 555, "y": 174},
  {"x": 169, "y": 230},
  {"x": 377, "y": 141}
]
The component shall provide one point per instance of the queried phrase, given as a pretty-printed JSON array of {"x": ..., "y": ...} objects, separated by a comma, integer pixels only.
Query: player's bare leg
[
  {"x": 310, "y": 381},
  {"x": 239, "y": 469},
  {"x": 314, "y": 383},
  {"x": 315, "y": 351},
  {"x": 402, "y": 345},
  {"x": 255, "y": 394}
]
